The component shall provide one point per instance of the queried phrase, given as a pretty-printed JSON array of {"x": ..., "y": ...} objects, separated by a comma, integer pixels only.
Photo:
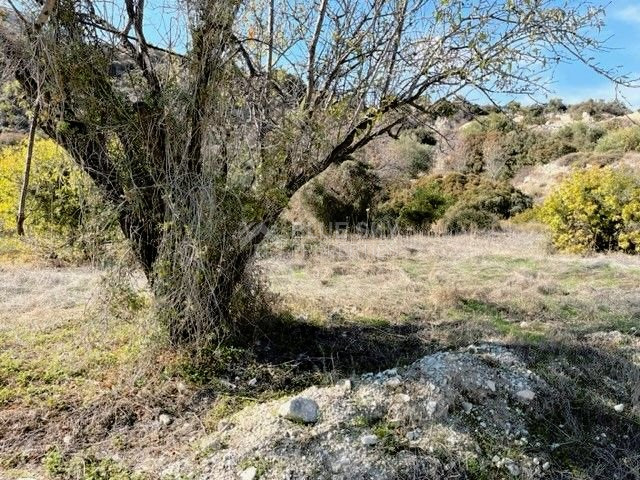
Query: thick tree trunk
[
  {"x": 196, "y": 300},
  {"x": 27, "y": 169}
]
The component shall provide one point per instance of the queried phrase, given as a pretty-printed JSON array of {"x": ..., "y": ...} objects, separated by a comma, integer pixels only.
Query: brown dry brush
[{"x": 201, "y": 137}]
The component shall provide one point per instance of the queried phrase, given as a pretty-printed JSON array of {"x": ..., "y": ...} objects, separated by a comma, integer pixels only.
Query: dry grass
[
  {"x": 75, "y": 366},
  {"x": 434, "y": 279}
]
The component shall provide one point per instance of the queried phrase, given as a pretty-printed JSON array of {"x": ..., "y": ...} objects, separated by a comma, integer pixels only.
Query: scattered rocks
[
  {"x": 249, "y": 473},
  {"x": 394, "y": 382},
  {"x": 165, "y": 419},
  {"x": 227, "y": 384},
  {"x": 404, "y": 398},
  {"x": 421, "y": 404},
  {"x": 413, "y": 435},
  {"x": 512, "y": 467},
  {"x": 369, "y": 440},
  {"x": 300, "y": 409},
  {"x": 525, "y": 395},
  {"x": 619, "y": 408}
]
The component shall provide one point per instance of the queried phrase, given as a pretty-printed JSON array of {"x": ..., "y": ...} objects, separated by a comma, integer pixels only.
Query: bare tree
[{"x": 230, "y": 107}]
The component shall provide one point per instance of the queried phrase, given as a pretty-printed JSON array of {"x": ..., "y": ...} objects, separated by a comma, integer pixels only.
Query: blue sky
[
  {"x": 572, "y": 82},
  {"x": 575, "y": 82}
]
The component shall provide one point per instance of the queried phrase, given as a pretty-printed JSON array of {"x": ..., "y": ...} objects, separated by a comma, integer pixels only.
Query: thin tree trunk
[{"x": 27, "y": 169}]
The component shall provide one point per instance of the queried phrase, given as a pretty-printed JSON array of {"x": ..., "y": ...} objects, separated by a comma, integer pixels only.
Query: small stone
[
  {"x": 546, "y": 466},
  {"x": 252, "y": 382},
  {"x": 619, "y": 408},
  {"x": 393, "y": 382},
  {"x": 227, "y": 384},
  {"x": 165, "y": 419},
  {"x": 67, "y": 439},
  {"x": 525, "y": 395},
  {"x": 432, "y": 405},
  {"x": 536, "y": 461},
  {"x": 495, "y": 459},
  {"x": 403, "y": 397},
  {"x": 413, "y": 435},
  {"x": 339, "y": 465},
  {"x": 467, "y": 407},
  {"x": 347, "y": 385},
  {"x": 369, "y": 440},
  {"x": 249, "y": 473},
  {"x": 300, "y": 409},
  {"x": 512, "y": 468},
  {"x": 491, "y": 385}
]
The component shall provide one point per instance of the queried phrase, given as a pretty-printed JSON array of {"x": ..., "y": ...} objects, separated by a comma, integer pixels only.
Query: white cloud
[{"x": 630, "y": 13}]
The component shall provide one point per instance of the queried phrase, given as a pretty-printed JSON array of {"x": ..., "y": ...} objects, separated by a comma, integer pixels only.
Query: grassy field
[{"x": 85, "y": 373}]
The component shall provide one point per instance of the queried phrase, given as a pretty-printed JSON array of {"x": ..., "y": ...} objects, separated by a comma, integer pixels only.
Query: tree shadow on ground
[{"x": 282, "y": 354}]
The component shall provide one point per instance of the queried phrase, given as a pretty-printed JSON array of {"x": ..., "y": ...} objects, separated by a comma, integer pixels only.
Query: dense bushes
[
  {"x": 580, "y": 136},
  {"x": 497, "y": 147},
  {"x": 463, "y": 202},
  {"x": 621, "y": 140},
  {"x": 343, "y": 194},
  {"x": 598, "y": 108},
  {"x": 61, "y": 201},
  {"x": 595, "y": 210},
  {"x": 412, "y": 208},
  {"x": 461, "y": 218},
  {"x": 416, "y": 148}
]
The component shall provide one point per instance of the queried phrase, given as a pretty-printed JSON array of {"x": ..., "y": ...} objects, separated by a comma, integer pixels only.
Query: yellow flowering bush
[
  {"x": 595, "y": 210},
  {"x": 62, "y": 202},
  {"x": 55, "y": 187}
]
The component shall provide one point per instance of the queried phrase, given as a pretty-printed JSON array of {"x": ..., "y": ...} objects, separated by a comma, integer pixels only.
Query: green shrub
[
  {"x": 555, "y": 105},
  {"x": 465, "y": 201},
  {"x": 461, "y": 218},
  {"x": 494, "y": 122},
  {"x": 499, "y": 199},
  {"x": 425, "y": 206},
  {"x": 412, "y": 208},
  {"x": 595, "y": 210},
  {"x": 581, "y": 136},
  {"x": 13, "y": 107},
  {"x": 416, "y": 149},
  {"x": 86, "y": 468},
  {"x": 343, "y": 194},
  {"x": 623, "y": 140},
  {"x": 498, "y": 147}
]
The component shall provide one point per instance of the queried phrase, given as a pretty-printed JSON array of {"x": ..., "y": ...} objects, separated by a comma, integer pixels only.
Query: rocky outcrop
[{"x": 431, "y": 417}]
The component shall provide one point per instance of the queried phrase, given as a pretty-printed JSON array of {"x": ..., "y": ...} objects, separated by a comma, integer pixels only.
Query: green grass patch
[
  {"x": 496, "y": 318},
  {"x": 89, "y": 467}
]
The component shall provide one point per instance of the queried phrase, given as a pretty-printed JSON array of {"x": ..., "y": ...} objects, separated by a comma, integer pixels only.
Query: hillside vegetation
[{"x": 460, "y": 304}]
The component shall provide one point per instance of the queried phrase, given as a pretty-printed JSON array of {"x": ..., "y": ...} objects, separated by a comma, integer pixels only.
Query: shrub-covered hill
[{"x": 517, "y": 153}]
